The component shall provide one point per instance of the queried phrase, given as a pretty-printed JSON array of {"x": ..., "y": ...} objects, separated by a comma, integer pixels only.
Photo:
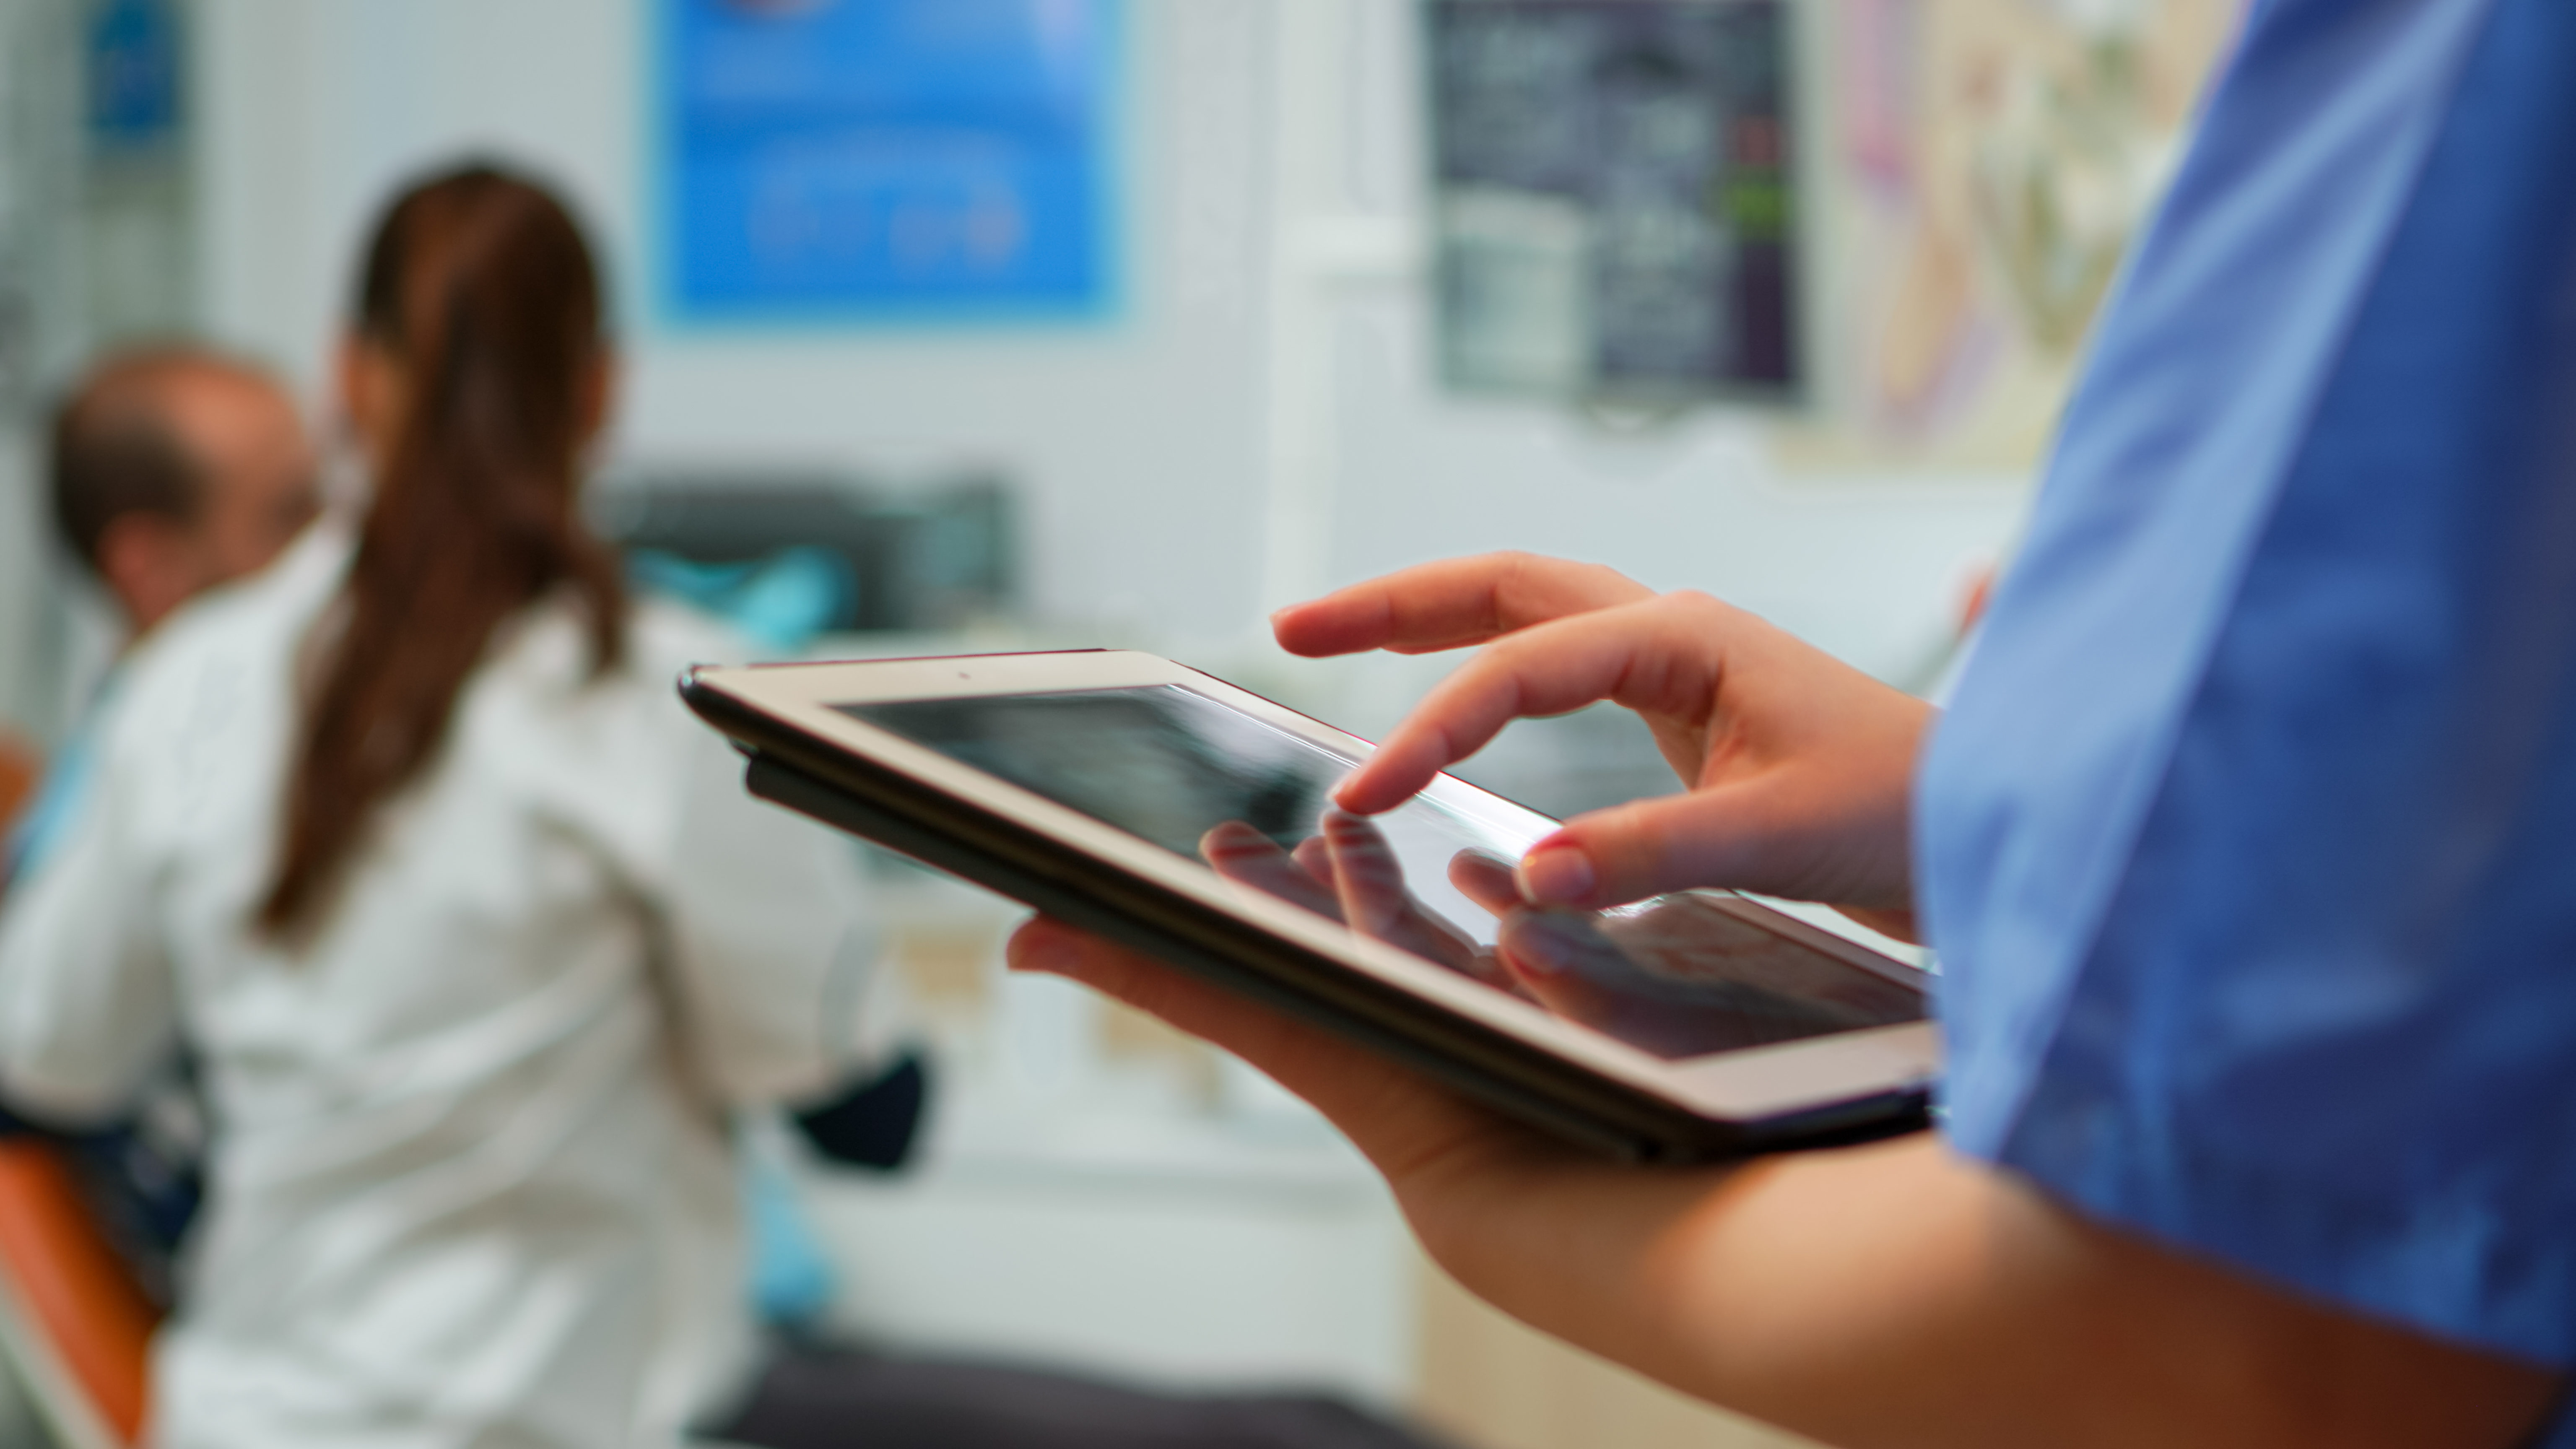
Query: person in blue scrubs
[{"x": 2248, "y": 845}]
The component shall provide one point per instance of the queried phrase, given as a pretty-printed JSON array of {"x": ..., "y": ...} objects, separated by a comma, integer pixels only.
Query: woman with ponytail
[
  {"x": 470, "y": 927},
  {"x": 476, "y": 376},
  {"x": 476, "y": 940}
]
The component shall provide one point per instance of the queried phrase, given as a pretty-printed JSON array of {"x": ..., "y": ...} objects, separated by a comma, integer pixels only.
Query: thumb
[{"x": 1730, "y": 836}]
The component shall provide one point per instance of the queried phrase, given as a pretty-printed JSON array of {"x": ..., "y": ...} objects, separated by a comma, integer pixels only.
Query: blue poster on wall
[
  {"x": 887, "y": 160},
  {"x": 134, "y": 67}
]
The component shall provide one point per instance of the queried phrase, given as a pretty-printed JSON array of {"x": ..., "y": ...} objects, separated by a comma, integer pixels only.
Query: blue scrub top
[
  {"x": 58, "y": 800},
  {"x": 2249, "y": 844}
]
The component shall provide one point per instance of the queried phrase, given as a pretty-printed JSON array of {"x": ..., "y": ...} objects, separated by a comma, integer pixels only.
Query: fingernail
[{"x": 1555, "y": 873}]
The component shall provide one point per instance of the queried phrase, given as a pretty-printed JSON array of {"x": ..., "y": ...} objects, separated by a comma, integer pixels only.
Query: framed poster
[
  {"x": 1617, "y": 214},
  {"x": 886, "y": 161}
]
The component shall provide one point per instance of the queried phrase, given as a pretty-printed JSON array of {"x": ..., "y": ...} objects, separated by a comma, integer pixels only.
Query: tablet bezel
[{"x": 1733, "y": 1088}]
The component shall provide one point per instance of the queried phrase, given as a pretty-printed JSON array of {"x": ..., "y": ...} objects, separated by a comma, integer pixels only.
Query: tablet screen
[{"x": 1678, "y": 976}]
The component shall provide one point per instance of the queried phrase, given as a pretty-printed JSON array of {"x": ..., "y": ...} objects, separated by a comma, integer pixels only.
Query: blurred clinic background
[{"x": 982, "y": 324}]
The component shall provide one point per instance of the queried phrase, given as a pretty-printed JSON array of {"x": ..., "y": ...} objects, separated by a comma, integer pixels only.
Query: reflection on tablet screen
[{"x": 1678, "y": 976}]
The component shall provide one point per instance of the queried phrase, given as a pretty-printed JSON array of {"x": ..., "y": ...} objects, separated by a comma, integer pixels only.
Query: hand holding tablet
[{"x": 1190, "y": 820}]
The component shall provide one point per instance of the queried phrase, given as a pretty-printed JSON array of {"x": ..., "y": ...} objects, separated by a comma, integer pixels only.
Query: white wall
[
  {"x": 40, "y": 280},
  {"x": 1137, "y": 440},
  {"x": 1260, "y": 422}
]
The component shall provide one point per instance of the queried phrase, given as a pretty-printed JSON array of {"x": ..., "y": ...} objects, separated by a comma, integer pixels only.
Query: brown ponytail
[{"x": 479, "y": 286}]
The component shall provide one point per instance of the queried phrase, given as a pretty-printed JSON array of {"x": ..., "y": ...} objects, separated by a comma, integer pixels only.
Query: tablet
[{"x": 1180, "y": 815}]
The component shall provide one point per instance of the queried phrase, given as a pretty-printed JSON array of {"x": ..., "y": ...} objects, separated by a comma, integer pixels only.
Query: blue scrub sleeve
[
  {"x": 2249, "y": 845},
  {"x": 49, "y": 819}
]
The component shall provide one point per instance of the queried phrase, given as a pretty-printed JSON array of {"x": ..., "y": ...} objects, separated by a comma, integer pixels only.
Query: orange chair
[
  {"x": 72, "y": 1321},
  {"x": 73, "y": 1324}
]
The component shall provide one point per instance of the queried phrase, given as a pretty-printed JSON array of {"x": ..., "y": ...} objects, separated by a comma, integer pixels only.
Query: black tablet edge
[
  {"x": 849, "y": 793},
  {"x": 785, "y": 785},
  {"x": 1678, "y": 1137}
]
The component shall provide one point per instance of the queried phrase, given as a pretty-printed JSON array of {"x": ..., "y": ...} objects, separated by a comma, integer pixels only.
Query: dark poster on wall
[
  {"x": 1616, "y": 211},
  {"x": 907, "y": 161}
]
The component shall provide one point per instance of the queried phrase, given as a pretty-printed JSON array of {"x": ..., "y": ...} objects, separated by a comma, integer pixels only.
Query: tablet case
[{"x": 1518, "y": 1078}]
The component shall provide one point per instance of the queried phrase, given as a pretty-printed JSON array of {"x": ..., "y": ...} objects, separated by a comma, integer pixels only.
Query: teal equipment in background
[
  {"x": 783, "y": 601},
  {"x": 788, "y": 559},
  {"x": 793, "y": 1281}
]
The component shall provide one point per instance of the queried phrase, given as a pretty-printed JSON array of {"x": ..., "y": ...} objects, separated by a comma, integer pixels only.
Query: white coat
[{"x": 469, "y": 1182}]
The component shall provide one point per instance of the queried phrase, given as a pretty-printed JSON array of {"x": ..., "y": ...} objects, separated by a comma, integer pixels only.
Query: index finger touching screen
[{"x": 1679, "y": 976}]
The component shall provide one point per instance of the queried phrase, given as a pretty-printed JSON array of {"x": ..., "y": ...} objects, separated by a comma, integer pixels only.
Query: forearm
[
  {"x": 1898, "y": 1295},
  {"x": 1892, "y": 1295}
]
